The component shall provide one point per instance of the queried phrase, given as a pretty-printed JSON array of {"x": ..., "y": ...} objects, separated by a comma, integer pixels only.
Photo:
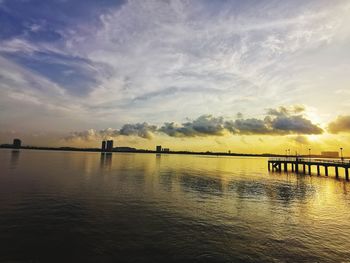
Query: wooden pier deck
[{"x": 295, "y": 163}]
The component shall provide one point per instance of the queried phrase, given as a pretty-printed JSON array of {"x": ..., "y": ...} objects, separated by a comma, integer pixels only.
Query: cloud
[
  {"x": 283, "y": 120},
  {"x": 277, "y": 122},
  {"x": 247, "y": 126},
  {"x": 76, "y": 75},
  {"x": 289, "y": 120},
  {"x": 143, "y": 130},
  {"x": 88, "y": 135},
  {"x": 300, "y": 139},
  {"x": 205, "y": 125},
  {"x": 92, "y": 135},
  {"x": 147, "y": 60},
  {"x": 294, "y": 124},
  {"x": 340, "y": 124},
  {"x": 286, "y": 111}
]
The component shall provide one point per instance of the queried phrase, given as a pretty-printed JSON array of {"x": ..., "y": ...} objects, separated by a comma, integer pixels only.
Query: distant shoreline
[{"x": 73, "y": 149}]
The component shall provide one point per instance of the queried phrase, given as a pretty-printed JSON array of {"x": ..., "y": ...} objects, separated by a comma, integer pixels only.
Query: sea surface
[{"x": 125, "y": 207}]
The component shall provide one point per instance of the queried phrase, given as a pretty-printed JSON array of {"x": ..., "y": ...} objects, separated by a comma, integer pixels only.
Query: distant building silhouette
[
  {"x": 166, "y": 150},
  {"x": 330, "y": 154},
  {"x": 125, "y": 149},
  {"x": 109, "y": 146},
  {"x": 17, "y": 143},
  {"x": 103, "y": 146},
  {"x": 158, "y": 148}
]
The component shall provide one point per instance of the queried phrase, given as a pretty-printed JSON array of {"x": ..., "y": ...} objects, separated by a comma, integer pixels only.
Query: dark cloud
[
  {"x": 143, "y": 130},
  {"x": 281, "y": 121},
  {"x": 340, "y": 124},
  {"x": 294, "y": 124},
  {"x": 247, "y": 126},
  {"x": 289, "y": 120},
  {"x": 205, "y": 125},
  {"x": 286, "y": 111},
  {"x": 239, "y": 115}
]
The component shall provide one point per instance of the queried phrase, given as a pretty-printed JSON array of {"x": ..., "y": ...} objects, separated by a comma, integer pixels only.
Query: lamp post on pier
[
  {"x": 309, "y": 154},
  {"x": 341, "y": 154}
]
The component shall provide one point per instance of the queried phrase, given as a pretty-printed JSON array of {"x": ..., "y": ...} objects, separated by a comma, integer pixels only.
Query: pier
[{"x": 304, "y": 165}]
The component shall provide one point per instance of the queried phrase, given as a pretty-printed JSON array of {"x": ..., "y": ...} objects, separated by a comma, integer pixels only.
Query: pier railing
[{"x": 308, "y": 160}]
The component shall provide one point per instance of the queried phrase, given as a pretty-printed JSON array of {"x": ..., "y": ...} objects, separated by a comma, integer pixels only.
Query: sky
[{"x": 240, "y": 76}]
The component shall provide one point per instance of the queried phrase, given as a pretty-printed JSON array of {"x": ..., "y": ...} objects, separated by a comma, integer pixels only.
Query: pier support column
[
  {"x": 326, "y": 170},
  {"x": 285, "y": 167},
  {"x": 292, "y": 167},
  {"x": 297, "y": 168},
  {"x": 347, "y": 174},
  {"x": 279, "y": 167},
  {"x": 303, "y": 168},
  {"x": 309, "y": 169},
  {"x": 318, "y": 170},
  {"x": 336, "y": 172},
  {"x": 268, "y": 165}
]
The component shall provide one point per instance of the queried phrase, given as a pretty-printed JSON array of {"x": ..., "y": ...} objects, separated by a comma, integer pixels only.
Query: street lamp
[
  {"x": 341, "y": 154},
  {"x": 309, "y": 154}
]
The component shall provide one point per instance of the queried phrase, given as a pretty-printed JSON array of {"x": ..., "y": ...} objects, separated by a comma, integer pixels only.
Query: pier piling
[{"x": 275, "y": 164}]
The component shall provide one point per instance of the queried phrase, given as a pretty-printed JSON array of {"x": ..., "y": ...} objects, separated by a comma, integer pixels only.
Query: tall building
[
  {"x": 109, "y": 147},
  {"x": 158, "y": 148},
  {"x": 103, "y": 146},
  {"x": 17, "y": 143}
]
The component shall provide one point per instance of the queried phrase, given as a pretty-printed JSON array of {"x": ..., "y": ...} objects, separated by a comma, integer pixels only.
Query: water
[{"x": 88, "y": 207}]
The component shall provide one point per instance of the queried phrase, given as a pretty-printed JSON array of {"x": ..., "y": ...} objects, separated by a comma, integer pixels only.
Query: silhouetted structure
[
  {"x": 158, "y": 148},
  {"x": 125, "y": 149},
  {"x": 17, "y": 143},
  {"x": 275, "y": 164},
  {"x": 166, "y": 150},
  {"x": 103, "y": 146},
  {"x": 330, "y": 154},
  {"x": 109, "y": 146}
]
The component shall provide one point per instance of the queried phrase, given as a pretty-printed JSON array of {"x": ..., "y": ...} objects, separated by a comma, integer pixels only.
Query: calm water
[{"x": 84, "y": 207}]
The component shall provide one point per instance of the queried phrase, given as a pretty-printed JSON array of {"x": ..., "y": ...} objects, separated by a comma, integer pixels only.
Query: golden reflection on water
[
  {"x": 236, "y": 196},
  {"x": 170, "y": 176}
]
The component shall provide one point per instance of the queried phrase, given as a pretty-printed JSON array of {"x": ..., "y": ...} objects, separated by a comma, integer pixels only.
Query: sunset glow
[{"x": 191, "y": 75}]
